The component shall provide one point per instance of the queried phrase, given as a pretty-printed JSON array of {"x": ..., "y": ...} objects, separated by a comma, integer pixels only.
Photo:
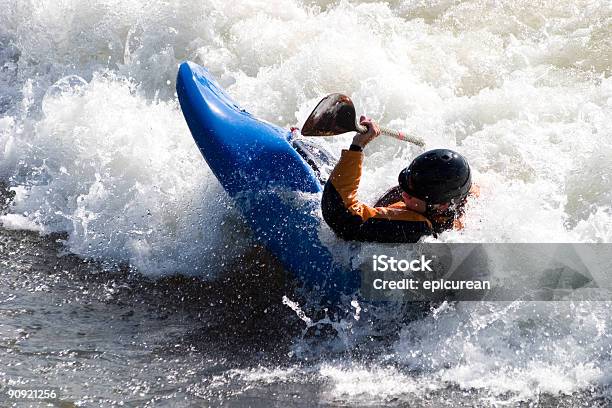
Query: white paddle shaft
[{"x": 395, "y": 134}]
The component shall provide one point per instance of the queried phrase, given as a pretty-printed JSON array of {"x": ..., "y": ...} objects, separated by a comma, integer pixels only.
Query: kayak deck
[{"x": 257, "y": 165}]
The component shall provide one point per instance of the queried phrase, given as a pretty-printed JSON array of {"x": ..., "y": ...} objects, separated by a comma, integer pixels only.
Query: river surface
[{"x": 127, "y": 277}]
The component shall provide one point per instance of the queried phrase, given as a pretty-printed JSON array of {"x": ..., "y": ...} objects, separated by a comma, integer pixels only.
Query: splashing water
[{"x": 93, "y": 142}]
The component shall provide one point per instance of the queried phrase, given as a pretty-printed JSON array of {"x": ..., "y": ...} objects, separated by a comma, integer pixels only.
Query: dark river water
[
  {"x": 110, "y": 338},
  {"x": 181, "y": 310}
]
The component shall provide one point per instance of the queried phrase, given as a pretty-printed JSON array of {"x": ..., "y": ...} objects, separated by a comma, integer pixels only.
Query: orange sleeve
[{"x": 346, "y": 177}]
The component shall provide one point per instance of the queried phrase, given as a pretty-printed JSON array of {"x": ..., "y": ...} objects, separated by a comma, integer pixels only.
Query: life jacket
[{"x": 393, "y": 198}]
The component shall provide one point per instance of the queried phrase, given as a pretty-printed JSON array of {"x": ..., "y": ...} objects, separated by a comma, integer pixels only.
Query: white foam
[
  {"x": 523, "y": 90},
  {"x": 117, "y": 172},
  {"x": 18, "y": 222},
  {"x": 360, "y": 384}
]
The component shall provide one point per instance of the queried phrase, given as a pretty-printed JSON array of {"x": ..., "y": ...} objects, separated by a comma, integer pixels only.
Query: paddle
[{"x": 335, "y": 114}]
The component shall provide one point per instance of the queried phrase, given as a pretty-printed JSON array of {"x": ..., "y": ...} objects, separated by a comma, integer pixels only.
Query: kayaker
[{"x": 430, "y": 197}]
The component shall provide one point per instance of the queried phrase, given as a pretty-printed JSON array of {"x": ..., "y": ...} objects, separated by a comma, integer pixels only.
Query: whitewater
[{"x": 95, "y": 151}]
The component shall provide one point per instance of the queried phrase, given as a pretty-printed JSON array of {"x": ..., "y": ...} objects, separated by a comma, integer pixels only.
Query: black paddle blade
[{"x": 335, "y": 114}]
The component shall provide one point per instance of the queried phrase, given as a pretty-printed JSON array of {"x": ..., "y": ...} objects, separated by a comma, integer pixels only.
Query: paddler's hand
[{"x": 362, "y": 139}]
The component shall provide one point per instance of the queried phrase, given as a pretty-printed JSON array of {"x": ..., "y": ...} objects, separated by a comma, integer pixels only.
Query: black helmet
[{"x": 437, "y": 176}]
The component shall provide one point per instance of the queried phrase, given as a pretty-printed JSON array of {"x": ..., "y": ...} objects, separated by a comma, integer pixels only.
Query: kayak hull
[{"x": 257, "y": 165}]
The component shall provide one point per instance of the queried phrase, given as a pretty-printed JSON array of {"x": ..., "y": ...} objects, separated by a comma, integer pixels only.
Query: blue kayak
[{"x": 257, "y": 165}]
